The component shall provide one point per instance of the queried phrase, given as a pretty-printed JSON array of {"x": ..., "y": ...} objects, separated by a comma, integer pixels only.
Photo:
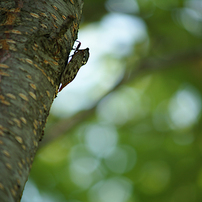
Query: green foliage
[{"x": 143, "y": 140}]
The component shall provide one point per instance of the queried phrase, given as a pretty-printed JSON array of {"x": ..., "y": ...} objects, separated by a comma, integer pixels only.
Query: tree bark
[{"x": 36, "y": 37}]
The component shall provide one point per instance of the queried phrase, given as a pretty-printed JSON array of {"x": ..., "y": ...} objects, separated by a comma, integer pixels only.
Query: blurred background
[{"x": 128, "y": 128}]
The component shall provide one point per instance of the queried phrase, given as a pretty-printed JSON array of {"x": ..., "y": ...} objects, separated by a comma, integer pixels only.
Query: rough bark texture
[{"x": 36, "y": 37}]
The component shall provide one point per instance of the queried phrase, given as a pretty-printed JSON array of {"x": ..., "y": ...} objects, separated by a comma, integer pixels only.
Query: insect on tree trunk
[{"x": 35, "y": 40}]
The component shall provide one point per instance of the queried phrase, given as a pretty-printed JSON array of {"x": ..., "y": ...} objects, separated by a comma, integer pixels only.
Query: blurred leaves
[{"x": 141, "y": 141}]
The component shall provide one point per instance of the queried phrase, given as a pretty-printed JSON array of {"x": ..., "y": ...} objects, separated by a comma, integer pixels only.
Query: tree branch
[
  {"x": 145, "y": 66},
  {"x": 35, "y": 40}
]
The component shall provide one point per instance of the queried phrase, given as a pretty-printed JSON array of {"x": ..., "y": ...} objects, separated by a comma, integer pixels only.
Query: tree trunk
[{"x": 36, "y": 37}]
